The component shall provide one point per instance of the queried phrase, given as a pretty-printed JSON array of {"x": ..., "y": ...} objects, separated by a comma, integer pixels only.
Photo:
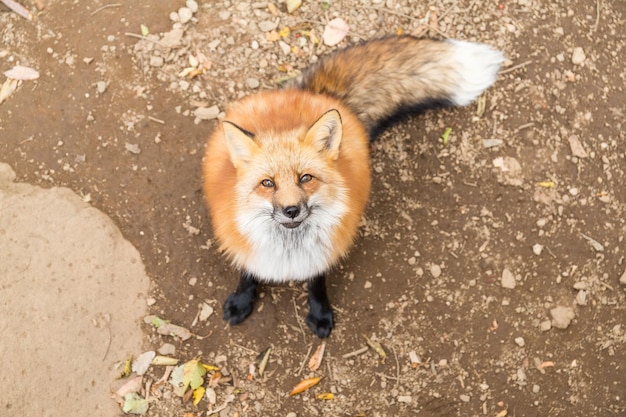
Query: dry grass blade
[{"x": 18, "y": 8}]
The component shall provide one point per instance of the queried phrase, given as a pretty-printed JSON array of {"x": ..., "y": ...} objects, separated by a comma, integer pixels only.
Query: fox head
[{"x": 287, "y": 179}]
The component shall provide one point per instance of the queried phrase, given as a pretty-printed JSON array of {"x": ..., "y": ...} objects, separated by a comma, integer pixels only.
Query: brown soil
[{"x": 133, "y": 149}]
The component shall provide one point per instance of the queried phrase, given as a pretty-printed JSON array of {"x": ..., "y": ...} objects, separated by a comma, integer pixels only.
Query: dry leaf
[
  {"x": 304, "y": 385},
  {"x": 335, "y": 31},
  {"x": 133, "y": 385},
  {"x": 21, "y": 73},
  {"x": 264, "y": 359},
  {"x": 198, "y": 393},
  {"x": 164, "y": 361},
  {"x": 143, "y": 361},
  {"x": 316, "y": 359},
  {"x": 134, "y": 404},
  {"x": 18, "y": 8},
  {"x": 377, "y": 347},
  {"x": 8, "y": 87},
  {"x": 325, "y": 396}
]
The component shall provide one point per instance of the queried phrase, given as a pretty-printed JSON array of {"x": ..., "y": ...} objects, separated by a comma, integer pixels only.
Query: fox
[{"x": 286, "y": 174}]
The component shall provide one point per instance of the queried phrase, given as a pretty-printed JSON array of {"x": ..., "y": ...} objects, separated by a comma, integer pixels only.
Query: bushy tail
[{"x": 380, "y": 78}]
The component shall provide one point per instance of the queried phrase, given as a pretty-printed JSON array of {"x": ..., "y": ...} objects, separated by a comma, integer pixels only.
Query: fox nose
[{"x": 291, "y": 211}]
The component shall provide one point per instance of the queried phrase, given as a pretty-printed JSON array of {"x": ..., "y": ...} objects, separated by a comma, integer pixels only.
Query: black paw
[
  {"x": 238, "y": 307},
  {"x": 321, "y": 322}
]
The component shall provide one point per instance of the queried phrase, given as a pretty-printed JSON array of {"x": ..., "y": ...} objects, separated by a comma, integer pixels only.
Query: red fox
[{"x": 287, "y": 174}]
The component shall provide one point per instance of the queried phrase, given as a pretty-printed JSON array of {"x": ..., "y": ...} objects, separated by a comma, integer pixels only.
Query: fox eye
[
  {"x": 267, "y": 183},
  {"x": 305, "y": 178}
]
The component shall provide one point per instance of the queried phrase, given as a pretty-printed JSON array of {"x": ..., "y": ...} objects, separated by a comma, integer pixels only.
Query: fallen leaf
[
  {"x": 160, "y": 360},
  {"x": 316, "y": 360},
  {"x": 198, "y": 393},
  {"x": 445, "y": 135},
  {"x": 325, "y": 396},
  {"x": 132, "y": 386},
  {"x": 189, "y": 374},
  {"x": 377, "y": 347},
  {"x": 335, "y": 31},
  {"x": 134, "y": 404},
  {"x": 144, "y": 30},
  {"x": 22, "y": 73},
  {"x": 8, "y": 87},
  {"x": 18, "y": 8},
  {"x": 264, "y": 360},
  {"x": 128, "y": 368},
  {"x": 293, "y": 5},
  {"x": 284, "y": 32},
  {"x": 143, "y": 361},
  {"x": 304, "y": 385}
]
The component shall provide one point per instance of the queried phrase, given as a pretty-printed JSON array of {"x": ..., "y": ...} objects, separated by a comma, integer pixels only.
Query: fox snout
[{"x": 291, "y": 216}]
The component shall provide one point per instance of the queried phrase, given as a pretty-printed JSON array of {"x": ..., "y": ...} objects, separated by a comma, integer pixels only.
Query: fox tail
[{"x": 383, "y": 78}]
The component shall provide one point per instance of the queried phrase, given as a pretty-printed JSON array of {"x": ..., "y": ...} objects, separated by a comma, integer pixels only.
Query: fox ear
[
  {"x": 240, "y": 145},
  {"x": 325, "y": 134}
]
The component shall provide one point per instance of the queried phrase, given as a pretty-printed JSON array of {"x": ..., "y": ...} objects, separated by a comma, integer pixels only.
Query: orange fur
[{"x": 265, "y": 115}]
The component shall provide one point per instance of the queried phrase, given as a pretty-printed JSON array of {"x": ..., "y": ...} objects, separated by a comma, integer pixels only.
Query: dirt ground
[{"x": 491, "y": 268}]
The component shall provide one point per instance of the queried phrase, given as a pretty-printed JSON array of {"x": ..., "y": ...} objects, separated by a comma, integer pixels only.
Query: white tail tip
[{"x": 477, "y": 67}]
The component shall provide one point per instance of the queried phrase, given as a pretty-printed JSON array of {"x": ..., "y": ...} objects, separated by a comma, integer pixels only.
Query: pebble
[
  {"x": 404, "y": 399},
  {"x": 101, "y": 87},
  {"x": 578, "y": 56},
  {"x": 412, "y": 260},
  {"x": 192, "y": 5},
  {"x": 185, "y": 14},
  {"x": 465, "y": 398},
  {"x": 546, "y": 325},
  {"x": 252, "y": 83},
  {"x": 268, "y": 25},
  {"x": 435, "y": 270},
  {"x": 292, "y": 414},
  {"x": 284, "y": 47},
  {"x": 508, "y": 279},
  {"x": 562, "y": 316},
  {"x": 622, "y": 279},
  {"x": 167, "y": 349},
  {"x": 207, "y": 113},
  {"x": 132, "y": 148},
  {"x": 537, "y": 249},
  {"x": 519, "y": 341},
  {"x": 156, "y": 61},
  {"x": 367, "y": 285}
]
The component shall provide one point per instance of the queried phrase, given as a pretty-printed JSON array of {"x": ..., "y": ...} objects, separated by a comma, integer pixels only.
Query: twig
[
  {"x": 298, "y": 319},
  {"x": 595, "y": 25},
  {"x": 525, "y": 126},
  {"x": 516, "y": 67},
  {"x": 305, "y": 358},
  {"x": 106, "y": 6},
  {"x": 154, "y": 119},
  {"x": 397, "y": 365},
  {"x": 380, "y": 374},
  {"x": 134, "y": 35},
  {"x": 356, "y": 352}
]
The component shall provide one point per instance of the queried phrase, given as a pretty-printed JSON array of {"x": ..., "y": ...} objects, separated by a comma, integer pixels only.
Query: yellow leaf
[
  {"x": 325, "y": 396},
  {"x": 272, "y": 36},
  {"x": 144, "y": 30},
  {"x": 304, "y": 385},
  {"x": 210, "y": 368},
  {"x": 198, "y": 394},
  {"x": 400, "y": 32},
  {"x": 547, "y": 184},
  {"x": 377, "y": 347},
  {"x": 284, "y": 32}
]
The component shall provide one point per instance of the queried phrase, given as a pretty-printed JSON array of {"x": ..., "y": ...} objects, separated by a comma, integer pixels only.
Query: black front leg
[
  {"x": 320, "y": 318},
  {"x": 239, "y": 304}
]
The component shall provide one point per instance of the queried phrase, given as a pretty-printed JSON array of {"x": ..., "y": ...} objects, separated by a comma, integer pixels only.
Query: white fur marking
[
  {"x": 280, "y": 254},
  {"x": 477, "y": 65}
]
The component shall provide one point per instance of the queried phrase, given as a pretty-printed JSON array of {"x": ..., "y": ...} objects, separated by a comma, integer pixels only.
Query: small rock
[
  {"x": 435, "y": 270},
  {"x": 132, "y": 148},
  {"x": 101, "y": 87},
  {"x": 508, "y": 279},
  {"x": 412, "y": 260},
  {"x": 578, "y": 56},
  {"x": 173, "y": 38},
  {"x": 546, "y": 325},
  {"x": 562, "y": 316},
  {"x": 622, "y": 279},
  {"x": 184, "y": 14},
  {"x": 576, "y": 147},
  {"x": 581, "y": 298},
  {"x": 156, "y": 61},
  {"x": 537, "y": 249},
  {"x": 509, "y": 171},
  {"x": 367, "y": 285},
  {"x": 292, "y": 414},
  {"x": 519, "y": 341},
  {"x": 252, "y": 83},
  {"x": 491, "y": 143},
  {"x": 192, "y": 5},
  {"x": 207, "y": 113},
  {"x": 268, "y": 25},
  {"x": 404, "y": 399},
  {"x": 151, "y": 301},
  {"x": 465, "y": 398},
  {"x": 167, "y": 349}
]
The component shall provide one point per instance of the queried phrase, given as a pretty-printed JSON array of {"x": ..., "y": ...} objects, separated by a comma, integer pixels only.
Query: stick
[
  {"x": 106, "y": 6},
  {"x": 356, "y": 352},
  {"x": 515, "y": 67}
]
